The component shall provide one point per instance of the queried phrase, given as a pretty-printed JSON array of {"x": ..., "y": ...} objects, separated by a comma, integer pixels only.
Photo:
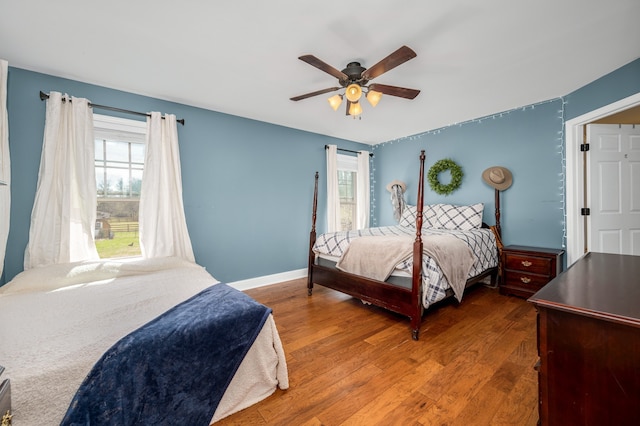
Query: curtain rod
[
  {"x": 348, "y": 150},
  {"x": 44, "y": 96}
]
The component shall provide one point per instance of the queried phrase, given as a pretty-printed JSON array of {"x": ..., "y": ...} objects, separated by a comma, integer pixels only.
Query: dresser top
[{"x": 599, "y": 285}]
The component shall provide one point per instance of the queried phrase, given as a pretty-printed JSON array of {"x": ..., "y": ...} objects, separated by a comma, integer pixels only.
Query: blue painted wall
[
  {"x": 529, "y": 141},
  {"x": 619, "y": 84},
  {"x": 526, "y": 141},
  {"x": 248, "y": 185}
]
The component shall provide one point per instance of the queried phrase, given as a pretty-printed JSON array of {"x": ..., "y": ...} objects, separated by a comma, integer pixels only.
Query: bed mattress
[
  {"x": 57, "y": 321},
  {"x": 329, "y": 247}
]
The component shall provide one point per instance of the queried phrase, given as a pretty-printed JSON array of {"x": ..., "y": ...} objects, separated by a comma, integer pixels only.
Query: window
[
  {"x": 119, "y": 163},
  {"x": 347, "y": 188}
]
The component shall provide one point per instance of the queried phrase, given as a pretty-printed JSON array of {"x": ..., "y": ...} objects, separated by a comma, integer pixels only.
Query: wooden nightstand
[{"x": 525, "y": 270}]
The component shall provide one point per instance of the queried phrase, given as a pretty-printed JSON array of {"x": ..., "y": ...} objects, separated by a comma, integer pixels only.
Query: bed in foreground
[
  {"x": 408, "y": 267},
  {"x": 155, "y": 324}
]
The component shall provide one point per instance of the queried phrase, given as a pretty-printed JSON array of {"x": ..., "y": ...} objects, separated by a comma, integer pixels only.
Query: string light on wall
[
  {"x": 372, "y": 196},
  {"x": 462, "y": 123},
  {"x": 560, "y": 146},
  {"x": 563, "y": 173}
]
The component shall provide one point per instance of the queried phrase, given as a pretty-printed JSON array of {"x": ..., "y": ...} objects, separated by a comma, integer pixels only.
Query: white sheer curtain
[
  {"x": 163, "y": 225},
  {"x": 333, "y": 194},
  {"x": 5, "y": 164},
  {"x": 64, "y": 211},
  {"x": 362, "y": 191}
]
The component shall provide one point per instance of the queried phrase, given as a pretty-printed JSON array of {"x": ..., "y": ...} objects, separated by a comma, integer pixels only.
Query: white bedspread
[{"x": 56, "y": 321}]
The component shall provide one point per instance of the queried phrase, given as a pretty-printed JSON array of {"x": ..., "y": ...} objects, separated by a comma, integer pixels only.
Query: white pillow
[
  {"x": 460, "y": 217},
  {"x": 429, "y": 216}
]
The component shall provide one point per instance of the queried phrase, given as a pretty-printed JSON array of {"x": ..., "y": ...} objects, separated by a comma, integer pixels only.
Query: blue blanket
[{"x": 175, "y": 369}]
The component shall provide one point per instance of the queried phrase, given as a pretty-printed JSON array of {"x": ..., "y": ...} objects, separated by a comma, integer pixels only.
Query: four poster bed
[
  {"x": 142, "y": 341},
  {"x": 408, "y": 267}
]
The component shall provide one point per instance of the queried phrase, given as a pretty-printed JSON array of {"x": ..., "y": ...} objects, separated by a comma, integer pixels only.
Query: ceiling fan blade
[
  {"x": 398, "y": 57},
  {"x": 323, "y": 66},
  {"x": 316, "y": 93},
  {"x": 401, "y": 92},
  {"x": 346, "y": 112}
]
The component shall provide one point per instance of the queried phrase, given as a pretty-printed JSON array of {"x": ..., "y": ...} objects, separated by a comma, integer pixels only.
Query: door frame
[{"x": 575, "y": 171}]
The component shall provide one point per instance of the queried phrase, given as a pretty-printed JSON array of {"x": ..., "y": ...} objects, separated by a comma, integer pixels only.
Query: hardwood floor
[{"x": 354, "y": 364}]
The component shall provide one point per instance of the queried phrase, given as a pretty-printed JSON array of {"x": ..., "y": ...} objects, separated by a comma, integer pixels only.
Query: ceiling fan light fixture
[
  {"x": 335, "y": 101},
  {"x": 354, "y": 79},
  {"x": 355, "y": 109},
  {"x": 353, "y": 92},
  {"x": 374, "y": 97}
]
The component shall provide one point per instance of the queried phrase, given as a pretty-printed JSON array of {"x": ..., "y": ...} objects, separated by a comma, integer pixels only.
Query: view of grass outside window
[
  {"x": 347, "y": 190},
  {"x": 119, "y": 163},
  {"x": 347, "y": 180}
]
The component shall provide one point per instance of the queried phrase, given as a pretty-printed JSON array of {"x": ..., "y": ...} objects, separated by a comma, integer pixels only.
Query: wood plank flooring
[{"x": 354, "y": 364}]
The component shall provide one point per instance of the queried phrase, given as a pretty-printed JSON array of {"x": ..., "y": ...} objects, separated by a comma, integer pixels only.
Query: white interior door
[{"x": 614, "y": 188}]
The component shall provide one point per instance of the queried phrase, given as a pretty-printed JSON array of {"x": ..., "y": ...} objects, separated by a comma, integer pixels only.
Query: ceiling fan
[{"x": 354, "y": 79}]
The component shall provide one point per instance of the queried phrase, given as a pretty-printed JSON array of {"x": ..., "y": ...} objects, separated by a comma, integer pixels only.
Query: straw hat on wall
[
  {"x": 402, "y": 185},
  {"x": 498, "y": 177}
]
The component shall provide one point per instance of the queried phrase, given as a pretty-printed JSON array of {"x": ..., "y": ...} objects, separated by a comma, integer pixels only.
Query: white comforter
[{"x": 56, "y": 321}]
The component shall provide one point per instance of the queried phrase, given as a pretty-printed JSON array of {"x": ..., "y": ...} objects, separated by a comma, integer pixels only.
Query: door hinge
[
  {"x": 584, "y": 147},
  {"x": 585, "y": 211}
]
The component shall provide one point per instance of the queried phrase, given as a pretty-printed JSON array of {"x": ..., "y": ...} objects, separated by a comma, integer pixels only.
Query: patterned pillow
[
  {"x": 408, "y": 217},
  {"x": 429, "y": 216},
  {"x": 460, "y": 217}
]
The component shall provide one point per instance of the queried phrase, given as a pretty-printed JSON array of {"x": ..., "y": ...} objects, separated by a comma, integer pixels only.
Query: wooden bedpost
[
  {"x": 312, "y": 238},
  {"x": 497, "y": 202},
  {"x": 496, "y": 276},
  {"x": 416, "y": 276}
]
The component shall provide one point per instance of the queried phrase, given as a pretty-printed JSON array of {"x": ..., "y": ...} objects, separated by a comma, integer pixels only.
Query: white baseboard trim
[{"x": 268, "y": 279}]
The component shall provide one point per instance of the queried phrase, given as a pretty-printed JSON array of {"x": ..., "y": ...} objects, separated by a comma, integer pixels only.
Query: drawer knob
[
  {"x": 525, "y": 280},
  {"x": 526, "y": 263}
]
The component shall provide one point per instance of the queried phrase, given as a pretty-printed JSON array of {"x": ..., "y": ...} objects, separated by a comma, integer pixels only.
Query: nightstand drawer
[
  {"x": 525, "y": 270},
  {"x": 532, "y": 264},
  {"x": 524, "y": 280}
]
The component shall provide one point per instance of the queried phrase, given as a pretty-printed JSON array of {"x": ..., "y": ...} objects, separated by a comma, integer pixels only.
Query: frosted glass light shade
[
  {"x": 335, "y": 101},
  {"x": 353, "y": 92},
  {"x": 374, "y": 97},
  {"x": 355, "y": 109}
]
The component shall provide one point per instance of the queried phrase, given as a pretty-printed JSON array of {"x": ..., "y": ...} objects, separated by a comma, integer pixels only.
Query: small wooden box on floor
[
  {"x": 589, "y": 343},
  {"x": 526, "y": 270}
]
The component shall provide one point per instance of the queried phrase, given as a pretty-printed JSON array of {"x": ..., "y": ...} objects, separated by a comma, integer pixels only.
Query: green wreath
[{"x": 439, "y": 167}]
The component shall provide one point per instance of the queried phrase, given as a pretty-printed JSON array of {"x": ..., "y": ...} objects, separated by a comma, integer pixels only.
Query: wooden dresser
[
  {"x": 526, "y": 270},
  {"x": 589, "y": 343}
]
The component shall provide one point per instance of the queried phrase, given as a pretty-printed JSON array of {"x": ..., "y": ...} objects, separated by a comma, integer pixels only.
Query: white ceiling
[{"x": 474, "y": 58}]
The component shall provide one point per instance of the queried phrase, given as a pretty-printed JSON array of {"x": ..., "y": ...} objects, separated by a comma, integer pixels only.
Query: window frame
[
  {"x": 118, "y": 130},
  {"x": 106, "y": 127}
]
